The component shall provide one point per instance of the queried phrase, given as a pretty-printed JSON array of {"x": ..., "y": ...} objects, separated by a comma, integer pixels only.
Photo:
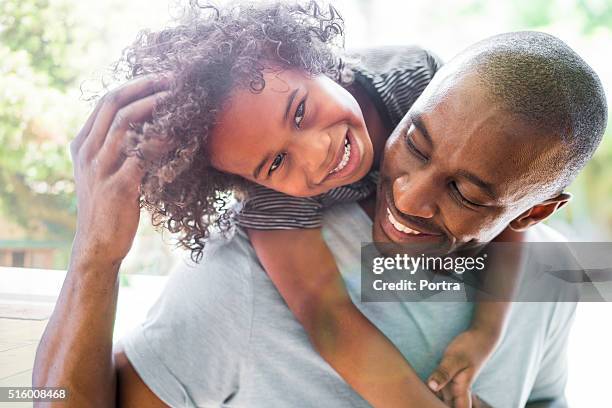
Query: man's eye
[
  {"x": 414, "y": 149},
  {"x": 299, "y": 114},
  {"x": 277, "y": 162},
  {"x": 460, "y": 197}
]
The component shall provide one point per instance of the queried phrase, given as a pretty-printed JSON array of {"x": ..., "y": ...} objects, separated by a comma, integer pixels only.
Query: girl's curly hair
[{"x": 209, "y": 52}]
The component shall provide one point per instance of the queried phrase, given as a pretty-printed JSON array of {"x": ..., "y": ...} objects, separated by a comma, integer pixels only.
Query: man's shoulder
[
  {"x": 191, "y": 347},
  {"x": 224, "y": 269}
]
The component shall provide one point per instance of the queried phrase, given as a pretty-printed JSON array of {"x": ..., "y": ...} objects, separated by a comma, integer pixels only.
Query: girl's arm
[
  {"x": 304, "y": 271},
  {"x": 467, "y": 353}
]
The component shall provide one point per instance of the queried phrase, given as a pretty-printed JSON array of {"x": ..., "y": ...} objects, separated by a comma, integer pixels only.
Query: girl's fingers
[
  {"x": 113, "y": 102},
  {"x": 461, "y": 389},
  {"x": 448, "y": 368},
  {"x": 447, "y": 396},
  {"x": 111, "y": 153}
]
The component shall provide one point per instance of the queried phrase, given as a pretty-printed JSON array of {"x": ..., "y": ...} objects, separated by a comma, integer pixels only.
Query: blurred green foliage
[
  {"x": 45, "y": 31},
  {"x": 588, "y": 14},
  {"x": 45, "y": 53},
  {"x": 38, "y": 114}
]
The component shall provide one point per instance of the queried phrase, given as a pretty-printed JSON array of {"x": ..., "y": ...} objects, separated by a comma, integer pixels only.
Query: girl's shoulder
[
  {"x": 385, "y": 60},
  {"x": 394, "y": 77}
]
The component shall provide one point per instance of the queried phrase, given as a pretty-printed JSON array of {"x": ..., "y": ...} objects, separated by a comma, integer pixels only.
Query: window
[{"x": 18, "y": 259}]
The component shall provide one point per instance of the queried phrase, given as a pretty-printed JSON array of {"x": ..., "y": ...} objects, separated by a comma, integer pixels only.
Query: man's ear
[{"x": 539, "y": 212}]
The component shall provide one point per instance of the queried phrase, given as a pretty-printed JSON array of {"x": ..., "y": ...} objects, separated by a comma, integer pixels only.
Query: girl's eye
[
  {"x": 277, "y": 162},
  {"x": 299, "y": 114}
]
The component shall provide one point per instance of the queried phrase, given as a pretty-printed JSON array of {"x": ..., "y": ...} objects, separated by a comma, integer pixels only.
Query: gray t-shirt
[{"x": 221, "y": 335}]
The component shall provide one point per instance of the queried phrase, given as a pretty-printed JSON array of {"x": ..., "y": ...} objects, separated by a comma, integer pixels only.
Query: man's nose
[
  {"x": 311, "y": 153},
  {"x": 414, "y": 196}
]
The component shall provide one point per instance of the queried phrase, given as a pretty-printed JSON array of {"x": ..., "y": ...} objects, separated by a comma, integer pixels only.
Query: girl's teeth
[
  {"x": 345, "y": 158},
  {"x": 399, "y": 226}
]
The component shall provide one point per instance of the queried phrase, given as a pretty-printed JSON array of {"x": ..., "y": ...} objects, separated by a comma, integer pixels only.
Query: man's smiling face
[{"x": 458, "y": 169}]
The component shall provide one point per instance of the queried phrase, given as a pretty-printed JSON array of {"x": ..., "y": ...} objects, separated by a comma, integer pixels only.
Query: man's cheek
[
  {"x": 394, "y": 161},
  {"x": 486, "y": 230},
  {"x": 470, "y": 229}
]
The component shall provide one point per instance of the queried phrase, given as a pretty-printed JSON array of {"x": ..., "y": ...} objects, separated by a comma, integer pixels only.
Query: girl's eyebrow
[
  {"x": 257, "y": 170},
  {"x": 267, "y": 157},
  {"x": 289, "y": 103}
]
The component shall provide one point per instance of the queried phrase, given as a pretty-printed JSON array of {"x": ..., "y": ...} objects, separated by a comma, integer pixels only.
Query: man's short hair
[{"x": 542, "y": 80}]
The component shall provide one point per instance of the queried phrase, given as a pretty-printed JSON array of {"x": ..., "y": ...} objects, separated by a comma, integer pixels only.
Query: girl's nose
[{"x": 312, "y": 155}]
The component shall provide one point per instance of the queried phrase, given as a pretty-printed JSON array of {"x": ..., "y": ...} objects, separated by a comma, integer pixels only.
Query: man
[{"x": 491, "y": 143}]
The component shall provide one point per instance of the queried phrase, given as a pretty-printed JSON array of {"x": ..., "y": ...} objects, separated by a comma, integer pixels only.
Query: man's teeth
[
  {"x": 399, "y": 226},
  {"x": 345, "y": 158}
]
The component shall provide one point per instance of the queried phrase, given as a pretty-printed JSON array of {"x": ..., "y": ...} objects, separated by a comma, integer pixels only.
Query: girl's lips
[{"x": 354, "y": 159}]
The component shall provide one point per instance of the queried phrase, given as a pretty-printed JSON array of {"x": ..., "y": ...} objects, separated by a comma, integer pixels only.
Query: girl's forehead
[{"x": 250, "y": 124}]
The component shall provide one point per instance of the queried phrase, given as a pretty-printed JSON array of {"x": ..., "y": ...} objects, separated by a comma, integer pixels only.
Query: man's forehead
[{"x": 472, "y": 132}]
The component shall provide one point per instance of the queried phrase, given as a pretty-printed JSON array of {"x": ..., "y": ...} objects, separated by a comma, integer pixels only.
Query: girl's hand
[
  {"x": 107, "y": 181},
  {"x": 462, "y": 361}
]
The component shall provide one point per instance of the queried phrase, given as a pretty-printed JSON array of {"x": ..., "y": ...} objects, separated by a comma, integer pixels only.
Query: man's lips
[
  {"x": 398, "y": 228},
  {"x": 398, "y": 225},
  {"x": 403, "y": 226}
]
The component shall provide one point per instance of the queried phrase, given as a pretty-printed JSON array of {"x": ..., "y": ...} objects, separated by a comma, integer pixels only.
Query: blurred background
[{"x": 52, "y": 52}]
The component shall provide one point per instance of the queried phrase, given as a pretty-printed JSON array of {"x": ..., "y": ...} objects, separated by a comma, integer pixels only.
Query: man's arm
[
  {"x": 76, "y": 348},
  {"x": 131, "y": 390}
]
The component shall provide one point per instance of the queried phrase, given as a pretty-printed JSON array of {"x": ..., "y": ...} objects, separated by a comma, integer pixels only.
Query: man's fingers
[
  {"x": 446, "y": 370},
  {"x": 129, "y": 176},
  {"x": 111, "y": 153},
  {"x": 114, "y": 101},
  {"x": 76, "y": 144}
]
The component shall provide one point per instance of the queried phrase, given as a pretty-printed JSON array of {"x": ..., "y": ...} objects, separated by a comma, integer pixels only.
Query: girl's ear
[{"x": 539, "y": 212}]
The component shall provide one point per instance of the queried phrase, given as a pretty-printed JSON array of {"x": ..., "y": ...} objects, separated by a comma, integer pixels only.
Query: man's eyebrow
[
  {"x": 487, "y": 188},
  {"x": 289, "y": 103},
  {"x": 257, "y": 170},
  {"x": 417, "y": 121}
]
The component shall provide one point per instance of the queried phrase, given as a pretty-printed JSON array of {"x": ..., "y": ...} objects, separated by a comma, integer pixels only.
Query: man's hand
[
  {"x": 461, "y": 363},
  {"x": 107, "y": 181},
  {"x": 75, "y": 351}
]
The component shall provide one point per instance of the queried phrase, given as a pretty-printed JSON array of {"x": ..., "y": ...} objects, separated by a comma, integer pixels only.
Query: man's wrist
[
  {"x": 90, "y": 253},
  {"x": 84, "y": 262}
]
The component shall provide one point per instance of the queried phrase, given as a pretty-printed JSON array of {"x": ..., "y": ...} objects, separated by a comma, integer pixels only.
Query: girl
[{"x": 265, "y": 105}]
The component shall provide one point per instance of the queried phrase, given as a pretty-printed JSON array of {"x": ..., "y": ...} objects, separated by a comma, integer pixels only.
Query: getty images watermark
[
  {"x": 521, "y": 272},
  {"x": 412, "y": 265}
]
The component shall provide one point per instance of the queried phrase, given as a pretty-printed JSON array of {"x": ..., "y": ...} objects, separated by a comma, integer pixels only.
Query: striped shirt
[{"x": 393, "y": 78}]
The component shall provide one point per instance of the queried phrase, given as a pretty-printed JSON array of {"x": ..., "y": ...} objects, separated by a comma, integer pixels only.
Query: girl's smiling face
[{"x": 301, "y": 135}]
